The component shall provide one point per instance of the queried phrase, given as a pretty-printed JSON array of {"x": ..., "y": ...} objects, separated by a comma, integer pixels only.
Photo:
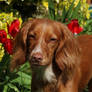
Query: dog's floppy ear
[
  {"x": 67, "y": 53},
  {"x": 19, "y": 50}
]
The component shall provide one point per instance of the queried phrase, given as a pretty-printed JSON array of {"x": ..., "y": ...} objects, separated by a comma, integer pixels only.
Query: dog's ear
[
  {"x": 67, "y": 53},
  {"x": 19, "y": 48}
]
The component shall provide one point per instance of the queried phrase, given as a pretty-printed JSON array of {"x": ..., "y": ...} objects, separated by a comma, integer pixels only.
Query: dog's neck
[{"x": 43, "y": 79}]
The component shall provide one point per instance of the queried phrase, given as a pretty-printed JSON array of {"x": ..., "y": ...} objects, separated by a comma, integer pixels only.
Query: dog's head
[{"x": 41, "y": 40}]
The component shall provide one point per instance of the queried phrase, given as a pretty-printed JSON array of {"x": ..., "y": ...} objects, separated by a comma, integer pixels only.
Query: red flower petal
[
  {"x": 13, "y": 29},
  {"x": 75, "y": 21},
  {"x": 8, "y": 45},
  {"x": 76, "y": 30},
  {"x": 3, "y": 36},
  {"x": 80, "y": 29},
  {"x": 16, "y": 23},
  {"x": 74, "y": 26},
  {"x": 70, "y": 26}
]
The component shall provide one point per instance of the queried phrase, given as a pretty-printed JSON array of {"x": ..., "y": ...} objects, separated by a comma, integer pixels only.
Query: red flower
[
  {"x": 8, "y": 45},
  {"x": 74, "y": 26},
  {"x": 13, "y": 29},
  {"x": 3, "y": 36}
]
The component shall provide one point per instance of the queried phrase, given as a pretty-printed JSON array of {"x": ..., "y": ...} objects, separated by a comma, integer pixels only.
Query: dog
[{"x": 59, "y": 61}]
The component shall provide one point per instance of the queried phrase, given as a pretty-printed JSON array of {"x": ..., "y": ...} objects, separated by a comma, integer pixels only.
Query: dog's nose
[{"x": 37, "y": 57}]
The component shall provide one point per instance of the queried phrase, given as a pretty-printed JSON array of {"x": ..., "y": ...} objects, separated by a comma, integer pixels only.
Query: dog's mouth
[{"x": 35, "y": 64}]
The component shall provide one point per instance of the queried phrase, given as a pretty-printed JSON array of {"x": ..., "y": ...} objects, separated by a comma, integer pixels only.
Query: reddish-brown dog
[{"x": 59, "y": 61}]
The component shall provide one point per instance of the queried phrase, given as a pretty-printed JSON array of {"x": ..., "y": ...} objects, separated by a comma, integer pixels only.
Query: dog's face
[{"x": 42, "y": 42}]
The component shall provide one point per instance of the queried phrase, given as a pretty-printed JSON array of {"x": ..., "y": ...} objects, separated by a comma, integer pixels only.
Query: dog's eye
[{"x": 31, "y": 36}]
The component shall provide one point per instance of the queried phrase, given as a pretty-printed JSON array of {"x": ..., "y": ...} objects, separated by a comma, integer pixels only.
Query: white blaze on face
[{"x": 38, "y": 48}]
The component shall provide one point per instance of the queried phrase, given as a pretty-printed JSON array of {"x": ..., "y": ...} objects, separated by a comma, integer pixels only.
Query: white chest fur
[{"x": 49, "y": 74}]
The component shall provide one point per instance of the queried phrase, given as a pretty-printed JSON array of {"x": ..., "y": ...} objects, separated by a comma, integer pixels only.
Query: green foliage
[
  {"x": 14, "y": 81},
  {"x": 19, "y": 6},
  {"x": 71, "y": 13},
  {"x": 8, "y": 18},
  {"x": 67, "y": 13},
  {"x": 51, "y": 10},
  {"x": 87, "y": 27}
]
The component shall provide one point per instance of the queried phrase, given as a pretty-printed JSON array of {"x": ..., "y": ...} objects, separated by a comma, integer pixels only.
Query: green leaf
[
  {"x": 13, "y": 87},
  {"x": 64, "y": 13},
  {"x": 25, "y": 67},
  {"x": 51, "y": 9},
  {"x": 5, "y": 60},
  {"x": 5, "y": 88},
  {"x": 69, "y": 12},
  {"x": 75, "y": 12},
  {"x": 23, "y": 79}
]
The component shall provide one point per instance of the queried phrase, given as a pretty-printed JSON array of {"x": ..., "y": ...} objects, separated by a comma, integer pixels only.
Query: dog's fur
[{"x": 59, "y": 61}]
